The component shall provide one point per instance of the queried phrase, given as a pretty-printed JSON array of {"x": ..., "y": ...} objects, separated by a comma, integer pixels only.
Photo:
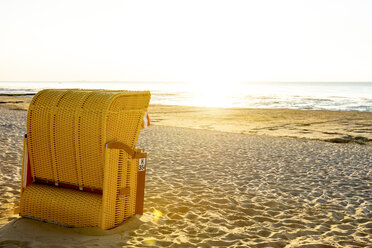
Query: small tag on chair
[
  {"x": 124, "y": 193},
  {"x": 146, "y": 120},
  {"x": 141, "y": 164}
]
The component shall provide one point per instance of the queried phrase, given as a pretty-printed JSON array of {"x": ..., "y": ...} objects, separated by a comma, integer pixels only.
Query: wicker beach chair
[{"x": 81, "y": 167}]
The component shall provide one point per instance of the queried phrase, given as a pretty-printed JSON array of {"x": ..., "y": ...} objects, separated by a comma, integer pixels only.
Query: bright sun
[{"x": 213, "y": 93}]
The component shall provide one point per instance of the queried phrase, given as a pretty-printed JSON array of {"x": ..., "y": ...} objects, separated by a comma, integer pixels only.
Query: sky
[{"x": 189, "y": 41}]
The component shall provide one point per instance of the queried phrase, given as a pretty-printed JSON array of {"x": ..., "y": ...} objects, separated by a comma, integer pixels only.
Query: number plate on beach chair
[{"x": 141, "y": 164}]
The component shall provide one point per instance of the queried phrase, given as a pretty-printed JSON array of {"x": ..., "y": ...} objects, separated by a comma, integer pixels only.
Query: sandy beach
[
  {"x": 223, "y": 177},
  {"x": 330, "y": 126}
]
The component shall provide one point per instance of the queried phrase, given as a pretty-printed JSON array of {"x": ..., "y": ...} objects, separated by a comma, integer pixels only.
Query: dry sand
[{"x": 216, "y": 189}]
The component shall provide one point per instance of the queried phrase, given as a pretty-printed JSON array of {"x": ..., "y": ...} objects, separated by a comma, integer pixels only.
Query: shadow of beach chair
[{"x": 81, "y": 167}]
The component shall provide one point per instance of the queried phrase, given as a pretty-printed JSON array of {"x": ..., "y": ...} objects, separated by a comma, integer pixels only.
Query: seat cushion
[{"x": 65, "y": 206}]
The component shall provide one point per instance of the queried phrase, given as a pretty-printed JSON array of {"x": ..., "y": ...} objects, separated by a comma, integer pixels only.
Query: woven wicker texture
[
  {"x": 67, "y": 131},
  {"x": 66, "y": 206},
  {"x": 66, "y": 135},
  {"x": 120, "y": 166}
]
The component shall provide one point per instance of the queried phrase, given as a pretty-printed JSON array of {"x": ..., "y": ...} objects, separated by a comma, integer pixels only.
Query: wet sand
[
  {"x": 216, "y": 188},
  {"x": 331, "y": 126}
]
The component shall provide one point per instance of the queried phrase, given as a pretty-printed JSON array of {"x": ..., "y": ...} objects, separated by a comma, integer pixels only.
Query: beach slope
[{"x": 206, "y": 188}]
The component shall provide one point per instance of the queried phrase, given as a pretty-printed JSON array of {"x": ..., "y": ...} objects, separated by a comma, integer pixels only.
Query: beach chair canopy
[{"x": 81, "y": 157}]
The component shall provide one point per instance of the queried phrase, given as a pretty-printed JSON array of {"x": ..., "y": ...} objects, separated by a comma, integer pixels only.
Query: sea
[{"x": 345, "y": 96}]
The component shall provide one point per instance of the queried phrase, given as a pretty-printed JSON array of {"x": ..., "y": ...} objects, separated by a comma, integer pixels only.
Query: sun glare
[{"x": 213, "y": 93}]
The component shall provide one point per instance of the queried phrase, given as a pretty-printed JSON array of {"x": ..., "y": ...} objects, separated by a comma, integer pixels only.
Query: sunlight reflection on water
[{"x": 322, "y": 96}]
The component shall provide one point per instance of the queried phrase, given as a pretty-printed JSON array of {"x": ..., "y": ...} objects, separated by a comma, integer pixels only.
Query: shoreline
[{"x": 325, "y": 125}]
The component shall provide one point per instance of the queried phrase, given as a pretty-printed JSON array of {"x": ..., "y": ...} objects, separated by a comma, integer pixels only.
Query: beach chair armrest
[{"x": 133, "y": 153}]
